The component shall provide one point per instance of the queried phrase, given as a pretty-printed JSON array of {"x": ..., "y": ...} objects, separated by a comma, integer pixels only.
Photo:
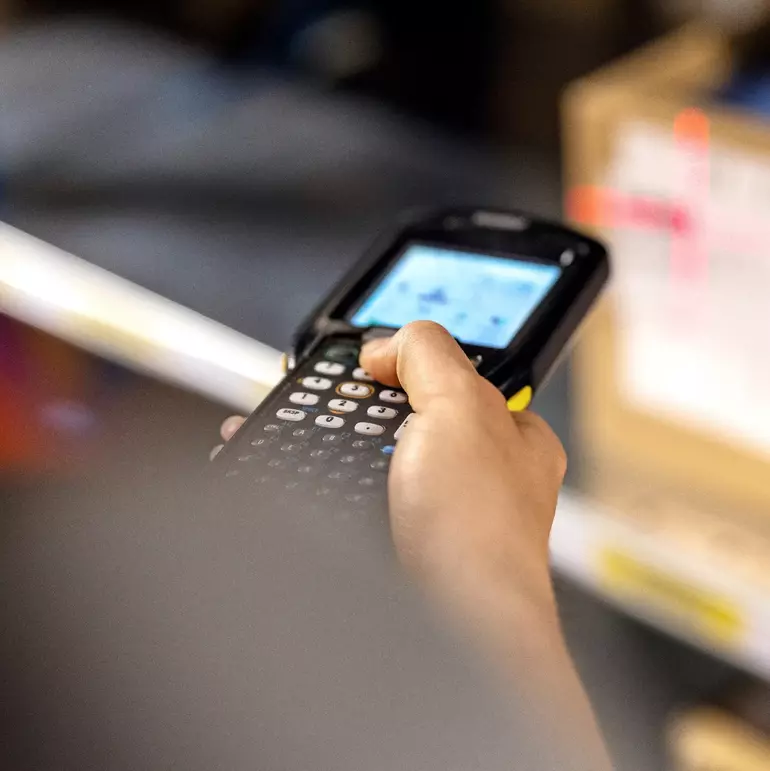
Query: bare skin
[{"x": 473, "y": 491}]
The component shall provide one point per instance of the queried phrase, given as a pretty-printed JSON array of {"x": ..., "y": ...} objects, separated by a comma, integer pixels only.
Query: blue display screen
[{"x": 481, "y": 299}]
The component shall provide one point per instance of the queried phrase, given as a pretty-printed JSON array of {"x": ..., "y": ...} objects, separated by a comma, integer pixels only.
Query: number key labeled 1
[
  {"x": 302, "y": 397},
  {"x": 383, "y": 413}
]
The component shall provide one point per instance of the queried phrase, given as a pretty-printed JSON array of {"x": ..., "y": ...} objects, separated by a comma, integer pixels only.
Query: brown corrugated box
[
  {"x": 730, "y": 734},
  {"x": 709, "y": 739},
  {"x": 624, "y": 109}
]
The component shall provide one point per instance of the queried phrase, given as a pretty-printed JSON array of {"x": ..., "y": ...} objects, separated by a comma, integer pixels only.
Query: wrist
[{"x": 495, "y": 586}]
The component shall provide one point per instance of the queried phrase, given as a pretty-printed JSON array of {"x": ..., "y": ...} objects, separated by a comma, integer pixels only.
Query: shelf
[
  {"x": 89, "y": 307},
  {"x": 697, "y": 577},
  {"x": 702, "y": 579}
]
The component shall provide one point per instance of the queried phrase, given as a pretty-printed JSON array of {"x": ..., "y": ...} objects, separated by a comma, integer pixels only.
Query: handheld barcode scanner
[{"x": 510, "y": 288}]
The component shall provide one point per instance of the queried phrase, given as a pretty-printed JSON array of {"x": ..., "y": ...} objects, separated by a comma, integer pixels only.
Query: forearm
[
  {"x": 530, "y": 649},
  {"x": 508, "y": 608}
]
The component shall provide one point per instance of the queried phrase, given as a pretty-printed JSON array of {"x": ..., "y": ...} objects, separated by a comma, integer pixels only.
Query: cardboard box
[
  {"x": 732, "y": 733},
  {"x": 673, "y": 371},
  {"x": 710, "y": 739}
]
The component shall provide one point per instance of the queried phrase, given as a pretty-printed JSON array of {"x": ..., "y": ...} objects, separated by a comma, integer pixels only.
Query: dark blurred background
[
  {"x": 236, "y": 156},
  {"x": 222, "y": 136}
]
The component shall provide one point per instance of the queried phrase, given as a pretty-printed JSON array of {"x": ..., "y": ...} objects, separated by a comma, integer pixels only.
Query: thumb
[{"x": 424, "y": 359}]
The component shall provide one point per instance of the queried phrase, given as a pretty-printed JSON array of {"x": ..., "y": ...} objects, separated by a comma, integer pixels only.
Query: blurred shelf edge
[
  {"x": 638, "y": 569},
  {"x": 651, "y": 577},
  {"x": 96, "y": 310}
]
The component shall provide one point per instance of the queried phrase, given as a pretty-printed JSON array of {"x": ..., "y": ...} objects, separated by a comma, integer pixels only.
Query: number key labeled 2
[
  {"x": 355, "y": 390},
  {"x": 395, "y": 397},
  {"x": 342, "y": 405},
  {"x": 329, "y": 421},
  {"x": 383, "y": 413}
]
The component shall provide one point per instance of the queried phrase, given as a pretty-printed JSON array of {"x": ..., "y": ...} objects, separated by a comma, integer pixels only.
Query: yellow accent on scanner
[{"x": 520, "y": 400}]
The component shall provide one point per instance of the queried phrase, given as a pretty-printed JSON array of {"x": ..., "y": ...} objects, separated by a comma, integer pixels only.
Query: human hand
[
  {"x": 472, "y": 494},
  {"x": 472, "y": 487}
]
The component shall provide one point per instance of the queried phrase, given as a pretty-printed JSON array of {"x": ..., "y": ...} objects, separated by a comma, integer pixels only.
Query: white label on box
[{"x": 694, "y": 292}]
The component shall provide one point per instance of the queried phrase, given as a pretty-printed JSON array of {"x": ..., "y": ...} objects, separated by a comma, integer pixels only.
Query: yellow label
[{"x": 705, "y": 612}]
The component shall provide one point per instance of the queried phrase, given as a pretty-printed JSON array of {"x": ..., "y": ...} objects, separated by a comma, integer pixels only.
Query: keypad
[{"x": 333, "y": 448}]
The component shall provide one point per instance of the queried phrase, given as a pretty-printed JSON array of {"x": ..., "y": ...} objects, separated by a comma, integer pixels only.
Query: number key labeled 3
[
  {"x": 342, "y": 405},
  {"x": 355, "y": 390},
  {"x": 289, "y": 414},
  {"x": 329, "y": 368},
  {"x": 316, "y": 383},
  {"x": 329, "y": 421},
  {"x": 394, "y": 397},
  {"x": 302, "y": 397},
  {"x": 369, "y": 429},
  {"x": 383, "y": 413}
]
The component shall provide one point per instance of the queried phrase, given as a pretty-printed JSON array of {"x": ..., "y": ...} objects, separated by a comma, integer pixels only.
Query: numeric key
[
  {"x": 332, "y": 368},
  {"x": 395, "y": 397},
  {"x": 383, "y": 413},
  {"x": 355, "y": 390},
  {"x": 329, "y": 421},
  {"x": 342, "y": 405},
  {"x": 359, "y": 373},
  {"x": 302, "y": 397},
  {"x": 316, "y": 383}
]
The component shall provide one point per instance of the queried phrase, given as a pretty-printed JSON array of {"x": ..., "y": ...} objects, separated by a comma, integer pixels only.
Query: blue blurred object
[{"x": 748, "y": 90}]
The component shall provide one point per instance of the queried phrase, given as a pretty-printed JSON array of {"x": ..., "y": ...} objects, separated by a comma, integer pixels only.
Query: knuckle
[
  {"x": 560, "y": 458},
  {"x": 546, "y": 440},
  {"x": 491, "y": 394}
]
